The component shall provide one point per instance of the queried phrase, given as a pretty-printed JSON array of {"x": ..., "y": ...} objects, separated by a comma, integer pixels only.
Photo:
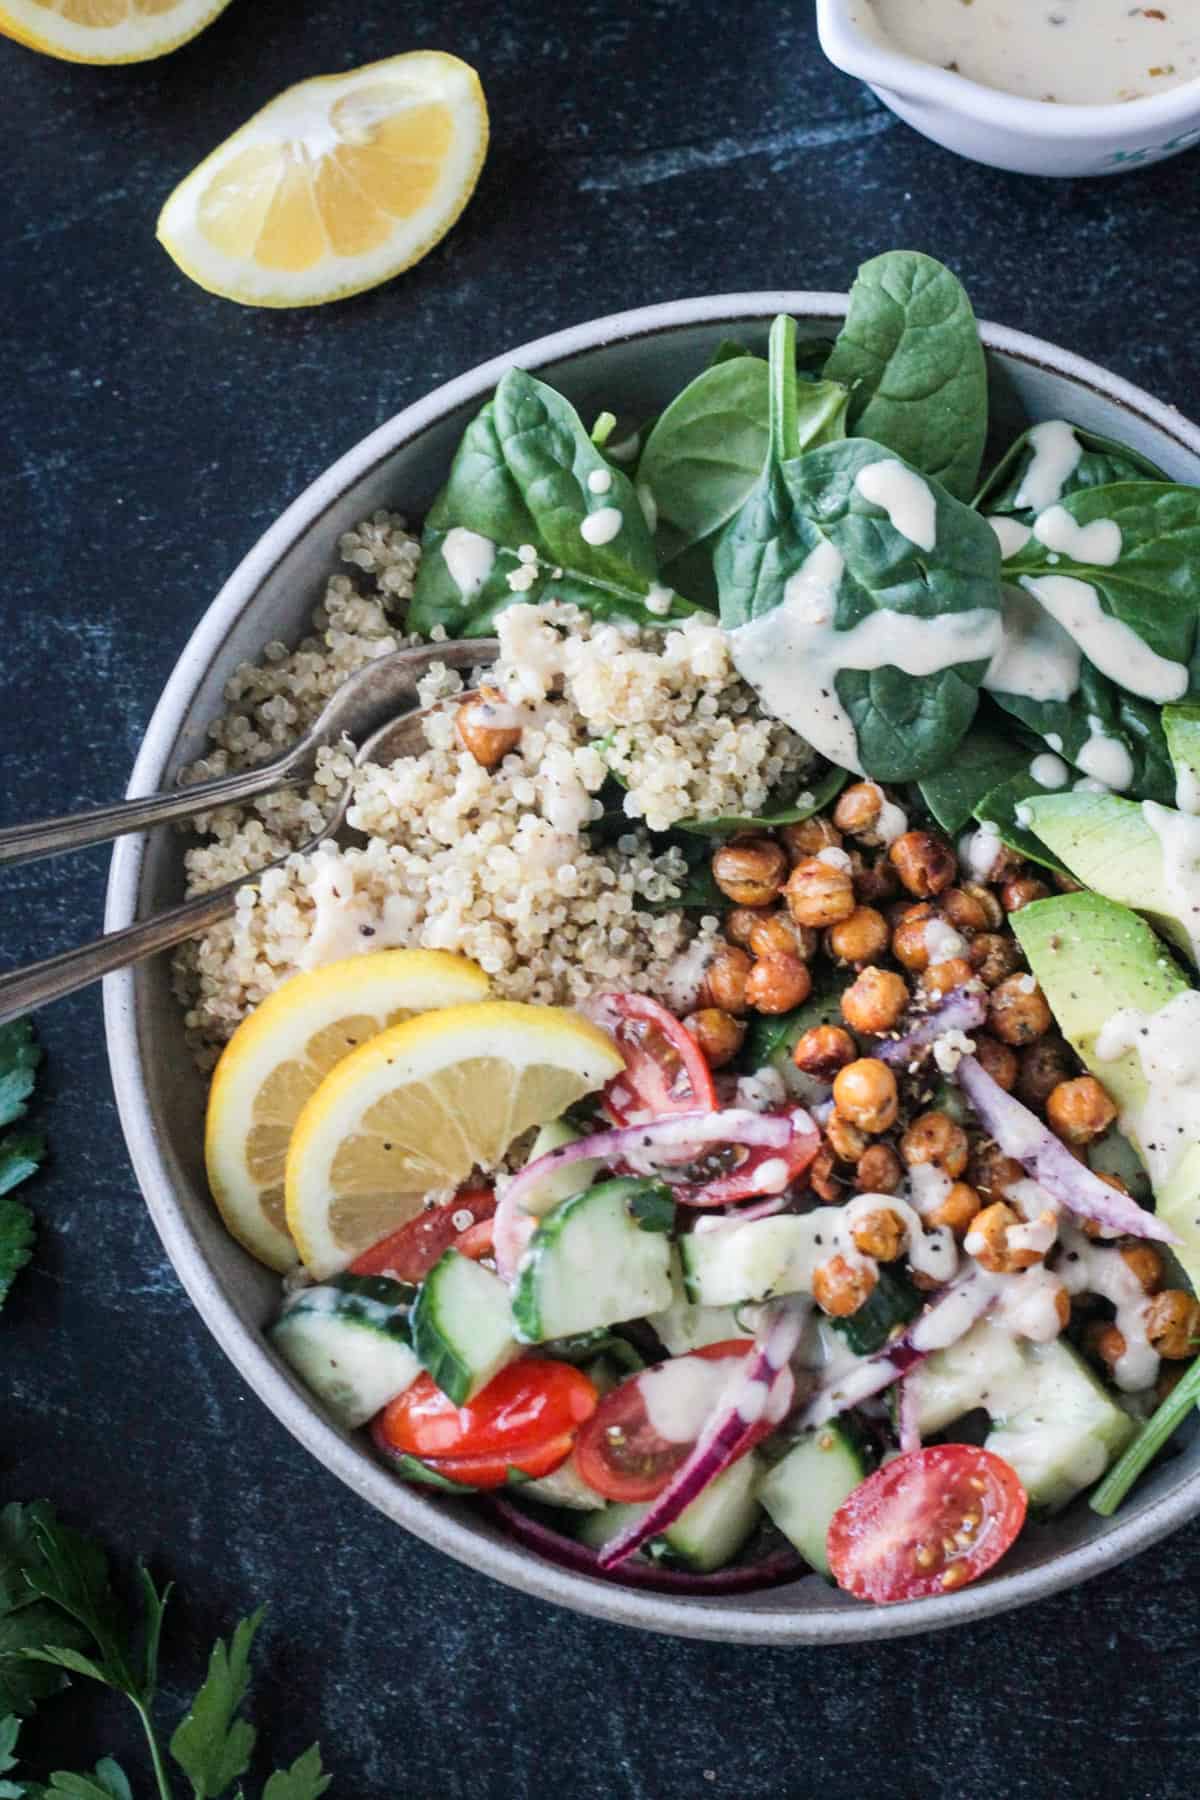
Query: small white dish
[{"x": 1030, "y": 137}]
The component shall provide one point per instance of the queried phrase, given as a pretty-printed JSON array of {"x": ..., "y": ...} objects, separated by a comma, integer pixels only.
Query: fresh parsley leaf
[
  {"x": 9, "y": 1729},
  {"x": 108, "y": 1783},
  {"x": 27, "y": 1622},
  {"x": 75, "y": 1577},
  {"x": 21, "y": 1155},
  {"x": 213, "y": 1746},
  {"x": 16, "y": 1240},
  {"x": 653, "y": 1209},
  {"x": 19, "y": 1058},
  {"x": 305, "y": 1780}
]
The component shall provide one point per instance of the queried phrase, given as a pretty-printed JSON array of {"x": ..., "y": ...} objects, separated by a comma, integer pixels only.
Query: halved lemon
[
  {"x": 278, "y": 1057},
  {"x": 106, "y": 31},
  {"x": 335, "y": 186},
  {"x": 420, "y": 1106}
]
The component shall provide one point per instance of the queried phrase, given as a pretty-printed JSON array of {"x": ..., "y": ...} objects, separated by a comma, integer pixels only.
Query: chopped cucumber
[
  {"x": 736, "y": 1263},
  {"x": 892, "y": 1301},
  {"x": 590, "y": 1263},
  {"x": 802, "y": 1493},
  {"x": 349, "y": 1341},
  {"x": 682, "y": 1326},
  {"x": 706, "y": 1535},
  {"x": 461, "y": 1326},
  {"x": 564, "y": 1486},
  {"x": 561, "y": 1184},
  {"x": 978, "y": 1370}
]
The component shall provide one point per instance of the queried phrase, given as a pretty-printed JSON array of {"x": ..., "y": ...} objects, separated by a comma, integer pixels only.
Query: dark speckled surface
[{"x": 150, "y": 433}]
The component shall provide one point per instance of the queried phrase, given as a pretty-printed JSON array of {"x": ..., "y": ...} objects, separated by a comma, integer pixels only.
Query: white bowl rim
[
  {"x": 727, "y": 1620},
  {"x": 888, "y": 66}
]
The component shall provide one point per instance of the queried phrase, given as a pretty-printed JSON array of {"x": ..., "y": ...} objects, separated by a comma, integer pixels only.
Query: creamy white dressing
[
  {"x": 1035, "y": 657},
  {"x": 1187, "y": 789},
  {"x": 602, "y": 526},
  {"x": 1116, "y": 651},
  {"x": 892, "y": 821},
  {"x": 905, "y": 498},
  {"x": 1011, "y": 534},
  {"x": 1049, "y": 771},
  {"x": 1089, "y": 1268},
  {"x": 942, "y": 941},
  {"x": 1055, "y": 457},
  {"x": 931, "y": 1250},
  {"x": 684, "y": 976},
  {"x": 599, "y": 481},
  {"x": 1167, "y": 1045},
  {"x": 1097, "y": 544},
  {"x": 834, "y": 857},
  {"x": 1105, "y": 759},
  {"x": 681, "y": 1395},
  {"x": 469, "y": 558},
  {"x": 1027, "y": 1304},
  {"x": 763, "y": 1091},
  {"x": 1075, "y": 52},
  {"x": 1178, "y": 835},
  {"x": 980, "y": 851}
]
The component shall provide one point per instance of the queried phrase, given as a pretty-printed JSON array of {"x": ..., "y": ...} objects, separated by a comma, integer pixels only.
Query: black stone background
[{"x": 150, "y": 433}]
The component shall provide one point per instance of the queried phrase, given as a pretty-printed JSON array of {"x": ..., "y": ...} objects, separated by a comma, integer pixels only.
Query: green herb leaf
[
  {"x": 21, "y": 1155},
  {"x": 19, "y": 1058},
  {"x": 587, "y": 1346},
  {"x": 1100, "y": 707},
  {"x": 108, "y": 1783},
  {"x": 213, "y": 1746},
  {"x": 654, "y": 1209},
  {"x": 75, "y": 1577},
  {"x": 999, "y": 807},
  {"x": 1161, "y": 1425},
  {"x": 16, "y": 1241},
  {"x": 1101, "y": 462},
  {"x": 910, "y": 354},
  {"x": 986, "y": 756},
  {"x": 27, "y": 1623},
  {"x": 305, "y": 1779},
  {"x": 811, "y": 796}
]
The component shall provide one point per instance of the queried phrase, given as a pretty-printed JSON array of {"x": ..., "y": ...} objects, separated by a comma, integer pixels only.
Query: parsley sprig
[{"x": 21, "y": 1152}]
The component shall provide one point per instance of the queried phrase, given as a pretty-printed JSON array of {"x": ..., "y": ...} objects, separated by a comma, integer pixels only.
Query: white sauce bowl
[{"x": 1030, "y": 137}]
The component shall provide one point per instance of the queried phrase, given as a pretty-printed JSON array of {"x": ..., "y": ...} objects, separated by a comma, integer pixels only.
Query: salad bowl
[{"x": 629, "y": 363}]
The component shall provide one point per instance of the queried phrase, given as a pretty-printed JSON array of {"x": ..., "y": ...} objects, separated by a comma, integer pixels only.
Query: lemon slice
[
  {"x": 278, "y": 1057},
  {"x": 106, "y": 31},
  {"x": 419, "y": 1107},
  {"x": 335, "y": 186}
]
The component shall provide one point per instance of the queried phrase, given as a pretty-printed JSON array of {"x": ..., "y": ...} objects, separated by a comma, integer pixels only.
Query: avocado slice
[
  {"x": 1091, "y": 958},
  {"x": 1181, "y": 727},
  {"x": 1109, "y": 844}
]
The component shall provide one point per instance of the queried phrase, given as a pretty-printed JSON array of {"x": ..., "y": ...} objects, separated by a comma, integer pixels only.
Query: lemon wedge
[
  {"x": 335, "y": 186},
  {"x": 106, "y": 31},
  {"x": 278, "y": 1057},
  {"x": 419, "y": 1107}
]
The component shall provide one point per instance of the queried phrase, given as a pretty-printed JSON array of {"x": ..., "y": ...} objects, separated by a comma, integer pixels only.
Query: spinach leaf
[
  {"x": 1099, "y": 708},
  {"x": 1001, "y": 808},
  {"x": 1181, "y": 726},
  {"x": 1101, "y": 462},
  {"x": 910, "y": 354},
  {"x": 988, "y": 755},
  {"x": 521, "y": 478},
  {"x": 812, "y": 796}
]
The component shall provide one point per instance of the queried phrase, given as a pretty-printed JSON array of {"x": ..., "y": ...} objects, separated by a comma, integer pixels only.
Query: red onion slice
[
  {"x": 908, "y": 1429},
  {"x": 1023, "y": 1137},
  {"x": 963, "y": 1009}
]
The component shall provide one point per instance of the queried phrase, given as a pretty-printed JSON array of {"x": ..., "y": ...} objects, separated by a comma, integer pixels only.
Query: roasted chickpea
[
  {"x": 847, "y": 1141},
  {"x": 876, "y": 882},
  {"x": 925, "y": 864},
  {"x": 958, "y": 1209},
  {"x": 1019, "y": 890},
  {"x": 478, "y": 722},
  {"x": 1091, "y": 1228},
  {"x": 823, "y": 1177},
  {"x": 819, "y": 893},
  {"x": 858, "y": 808},
  {"x": 739, "y": 925},
  {"x": 942, "y": 978},
  {"x": 993, "y": 1173},
  {"x": 997, "y": 1059},
  {"x": 718, "y": 1034},
  {"x": 809, "y": 837},
  {"x": 840, "y": 1288},
  {"x": 824, "y": 1049},
  {"x": 878, "y": 1170},
  {"x": 993, "y": 957},
  {"x": 964, "y": 910},
  {"x": 874, "y": 1000},
  {"x": 1144, "y": 1261},
  {"x": 881, "y": 1234},
  {"x": 725, "y": 980},
  {"x": 909, "y": 944},
  {"x": 1079, "y": 1110},
  {"x": 862, "y": 938},
  {"x": 777, "y": 982},
  {"x": 1173, "y": 1324},
  {"x": 865, "y": 1093},
  {"x": 1043, "y": 1066},
  {"x": 987, "y": 1241},
  {"x": 751, "y": 871},
  {"x": 1103, "y": 1341},
  {"x": 779, "y": 931},
  {"x": 1017, "y": 1011},
  {"x": 935, "y": 1138},
  {"x": 985, "y": 900}
]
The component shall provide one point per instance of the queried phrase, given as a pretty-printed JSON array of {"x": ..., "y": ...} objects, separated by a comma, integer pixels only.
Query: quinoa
[{"x": 501, "y": 865}]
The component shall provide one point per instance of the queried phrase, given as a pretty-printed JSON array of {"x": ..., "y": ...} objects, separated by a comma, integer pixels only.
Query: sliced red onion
[
  {"x": 762, "y": 1389},
  {"x": 780, "y": 1566},
  {"x": 907, "y": 1425},
  {"x": 963, "y": 1009},
  {"x": 1023, "y": 1137}
]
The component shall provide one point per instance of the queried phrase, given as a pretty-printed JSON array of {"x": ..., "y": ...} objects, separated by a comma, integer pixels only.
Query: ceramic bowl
[
  {"x": 632, "y": 362},
  {"x": 1031, "y": 137}
]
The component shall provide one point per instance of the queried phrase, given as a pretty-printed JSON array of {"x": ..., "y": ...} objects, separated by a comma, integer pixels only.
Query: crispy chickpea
[
  {"x": 881, "y": 1234},
  {"x": 739, "y": 925},
  {"x": 993, "y": 1173},
  {"x": 986, "y": 901},
  {"x": 823, "y": 1177},
  {"x": 925, "y": 864},
  {"x": 824, "y": 1049},
  {"x": 874, "y": 1000},
  {"x": 862, "y": 938},
  {"x": 718, "y": 1034},
  {"x": 476, "y": 722},
  {"x": 935, "y": 1138},
  {"x": 808, "y": 837},
  {"x": 997, "y": 1059},
  {"x": 878, "y": 1170},
  {"x": 1079, "y": 1110},
  {"x": 993, "y": 957},
  {"x": 876, "y": 882},
  {"x": 865, "y": 1093},
  {"x": 942, "y": 978},
  {"x": 1017, "y": 1011},
  {"x": 751, "y": 871},
  {"x": 987, "y": 1241},
  {"x": 1173, "y": 1324},
  {"x": 839, "y": 1288},
  {"x": 908, "y": 936},
  {"x": 725, "y": 980},
  {"x": 1144, "y": 1261},
  {"x": 1103, "y": 1341},
  {"x": 777, "y": 982},
  {"x": 958, "y": 1209},
  {"x": 964, "y": 910},
  {"x": 1019, "y": 890},
  {"x": 846, "y": 1141},
  {"x": 779, "y": 931},
  {"x": 858, "y": 808},
  {"x": 1043, "y": 1066},
  {"x": 819, "y": 893}
]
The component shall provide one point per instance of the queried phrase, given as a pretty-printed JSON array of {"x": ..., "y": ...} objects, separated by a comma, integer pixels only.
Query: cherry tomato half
[
  {"x": 494, "y": 1471},
  {"x": 529, "y": 1411},
  {"x": 620, "y": 1453},
  {"x": 733, "y": 1172},
  {"x": 665, "y": 1069},
  {"x": 888, "y": 1541},
  {"x": 411, "y": 1252}
]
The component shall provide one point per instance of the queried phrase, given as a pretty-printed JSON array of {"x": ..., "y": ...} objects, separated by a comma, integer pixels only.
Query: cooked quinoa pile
[{"x": 499, "y": 864}]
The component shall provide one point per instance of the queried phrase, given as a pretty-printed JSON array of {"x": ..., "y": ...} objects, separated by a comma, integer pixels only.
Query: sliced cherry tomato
[
  {"x": 411, "y": 1252},
  {"x": 496, "y": 1471},
  {"x": 888, "y": 1541},
  {"x": 665, "y": 1069},
  {"x": 735, "y": 1172},
  {"x": 620, "y": 1453},
  {"x": 528, "y": 1407}
]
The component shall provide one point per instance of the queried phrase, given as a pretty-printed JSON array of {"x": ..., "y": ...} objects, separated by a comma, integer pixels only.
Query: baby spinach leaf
[
  {"x": 1101, "y": 462},
  {"x": 1001, "y": 808},
  {"x": 811, "y": 796},
  {"x": 987, "y": 755},
  {"x": 1099, "y": 708},
  {"x": 910, "y": 354}
]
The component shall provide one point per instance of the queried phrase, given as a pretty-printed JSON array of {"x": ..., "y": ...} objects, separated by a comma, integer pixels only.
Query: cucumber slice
[
  {"x": 349, "y": 1342},
  {"x": 706, "y": 1535},
  {"x": 564, "y": 1486},
  {"x": 559, "y": 1186},
  {"x": 461, "y": 1326},
  {"x": 590, "y": 1263},
  {"x": 978, "y": 1370},
  {"x": 752, "y": 1262},
  {"x": 802, "y": 1493},
  {"x": 892, "y": 1301},
  {"x": 682, "y": 1326}
]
